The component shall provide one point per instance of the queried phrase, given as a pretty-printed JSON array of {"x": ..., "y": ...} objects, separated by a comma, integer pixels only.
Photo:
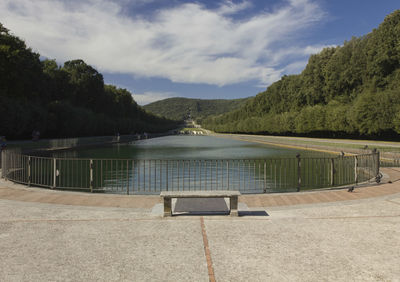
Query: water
[
  {"x": 187, "y": 148},
  {"x": 190, "y": 163},
  {"x": 197, "y": 163}
]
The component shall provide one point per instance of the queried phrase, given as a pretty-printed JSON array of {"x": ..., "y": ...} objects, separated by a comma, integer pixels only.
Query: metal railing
[
  {"x": 29, "y": 146},
  {"x": 129, "y": 176},
  {"x": 390, "y": 162}
]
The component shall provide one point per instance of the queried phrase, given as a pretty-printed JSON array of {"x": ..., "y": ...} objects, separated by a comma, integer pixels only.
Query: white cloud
[
  {"x": 292, "y": 54},
  {"x": 230, "y": 8},
  {"x": 295, "y": 67},
  {"x": 149, "y": 97},
  {"x": 186, "y": 43}
]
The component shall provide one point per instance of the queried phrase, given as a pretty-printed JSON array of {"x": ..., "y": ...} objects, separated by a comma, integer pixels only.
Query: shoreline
[{"x": 332, "y": 146}]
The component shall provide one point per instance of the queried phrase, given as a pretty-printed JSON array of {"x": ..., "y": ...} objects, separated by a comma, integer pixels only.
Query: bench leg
[
  {"x": 233, "y": 201},
  {"x": 167, "y": 207}
]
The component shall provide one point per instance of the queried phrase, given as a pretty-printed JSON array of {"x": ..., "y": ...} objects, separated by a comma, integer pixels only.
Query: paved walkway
[
  {"x": 327, "y": 196},
  {"x": 332, "y": 235},
  {"x": 16, "y": 192}
]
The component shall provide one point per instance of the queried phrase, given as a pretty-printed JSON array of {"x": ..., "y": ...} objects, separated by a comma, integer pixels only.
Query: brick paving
[
  {"x": 327, "y": 196},
  {"x": 10, "y": 191}
]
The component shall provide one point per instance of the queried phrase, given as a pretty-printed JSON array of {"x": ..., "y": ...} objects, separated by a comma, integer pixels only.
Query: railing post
[
  {"x": 2, "y": 155},
  {"x": 127, "y": 177},
  {"x": 332, "y": 172},
  {"x": 133, "y": 176},
  {"x": 355, "y": 170},
  {"x": 54, "y": 173},
  {"x": 91, "y": 176},
  {"x": 29, "y": 171},
  {"x": 167, "y": 175},
  {"x": 4, "y": 164},
  {"x": 377, "y": 162},
  {"x": 227, "y": 170},
  {"x": 265, "y": 177},
  {"x": 298, "y": 172}
]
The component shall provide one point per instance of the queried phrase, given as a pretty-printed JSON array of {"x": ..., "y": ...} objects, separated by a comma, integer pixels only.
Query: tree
[
  {"x": 87, "y": 83},
  {"x": 66, "y": 101},
  {"x": 20, "y": 68},
  {"x": 373, "y": 112},
  {"x": 349, "y": 89}
]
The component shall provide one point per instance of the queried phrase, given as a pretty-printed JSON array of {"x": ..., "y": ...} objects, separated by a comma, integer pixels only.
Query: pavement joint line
[
  {"x": 81, "y": 220},
  {"x": 241, "y": 218},
  {"x": 394, "y": 168},
  {"x": 355, "y": 217},
  {"x": 393, "y": 202},
  {"x": 207, "y": 251}
]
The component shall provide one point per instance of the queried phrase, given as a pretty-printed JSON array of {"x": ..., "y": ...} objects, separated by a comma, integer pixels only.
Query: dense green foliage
[
  {"x": 350, "y": 90},
  {"x": 66, "y": 101},
  {"x": 181, "y": 108}
]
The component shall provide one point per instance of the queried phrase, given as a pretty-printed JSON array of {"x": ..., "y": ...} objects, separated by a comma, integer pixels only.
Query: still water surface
[
  {"x": 193, "y": 163},
  {"x": 187, "y": 147}
]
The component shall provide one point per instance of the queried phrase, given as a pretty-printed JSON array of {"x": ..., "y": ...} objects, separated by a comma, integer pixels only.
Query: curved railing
[{"x": 153, "y": 176}]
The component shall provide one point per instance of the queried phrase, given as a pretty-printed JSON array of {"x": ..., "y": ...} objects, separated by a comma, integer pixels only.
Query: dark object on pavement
[
  {"x": 351, "y": 189},
  {"x": 378, "y": 177}
]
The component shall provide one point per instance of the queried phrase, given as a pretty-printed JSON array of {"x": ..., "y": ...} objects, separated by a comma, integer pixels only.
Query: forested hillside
[
  {"x": 63, "y": 101},
  {"x": 351, "y": 90},
  {"x": 180, "y": 108}
]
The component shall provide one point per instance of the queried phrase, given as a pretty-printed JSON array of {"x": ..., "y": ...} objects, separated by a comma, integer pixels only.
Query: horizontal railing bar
[{"x": 180, "y": 160}]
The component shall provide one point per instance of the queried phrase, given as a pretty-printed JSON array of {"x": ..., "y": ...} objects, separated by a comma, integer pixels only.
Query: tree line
[
  {"x": 182, "y": 108},
  {"x": 63, "y": 101},
  {"x": 349, "y": 90}
]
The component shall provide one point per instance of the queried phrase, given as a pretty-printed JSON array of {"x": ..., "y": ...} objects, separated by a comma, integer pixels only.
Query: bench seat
[{"x": 232, "y": 195}]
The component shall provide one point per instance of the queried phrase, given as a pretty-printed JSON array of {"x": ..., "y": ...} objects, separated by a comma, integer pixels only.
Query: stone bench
[{"x": 232, "y": 195}]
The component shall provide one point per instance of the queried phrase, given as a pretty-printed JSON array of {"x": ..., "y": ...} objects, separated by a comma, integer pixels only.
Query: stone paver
[
  {"x": 292, "y": 246},
  {"x": 41, "y": 242},
  {"x": 331, "y": 235}
]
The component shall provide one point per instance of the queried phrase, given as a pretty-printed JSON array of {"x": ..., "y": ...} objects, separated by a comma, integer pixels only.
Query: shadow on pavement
[
  {"x": 208, "y": 206},
  {"x": 200, "y": 206},
  {"x": 253, "y": 213}
]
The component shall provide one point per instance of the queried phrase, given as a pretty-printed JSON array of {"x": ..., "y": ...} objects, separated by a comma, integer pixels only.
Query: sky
[{"x": 209, "y": 49}]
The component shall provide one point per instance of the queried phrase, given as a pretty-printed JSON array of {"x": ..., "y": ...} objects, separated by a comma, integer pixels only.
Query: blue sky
[{"x": 198, "y": 49}]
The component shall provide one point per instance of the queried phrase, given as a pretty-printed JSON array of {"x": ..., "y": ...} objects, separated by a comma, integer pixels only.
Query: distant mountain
[
  {"x": 182, "y": 108},
  {"x": 348, "y": 90}
]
